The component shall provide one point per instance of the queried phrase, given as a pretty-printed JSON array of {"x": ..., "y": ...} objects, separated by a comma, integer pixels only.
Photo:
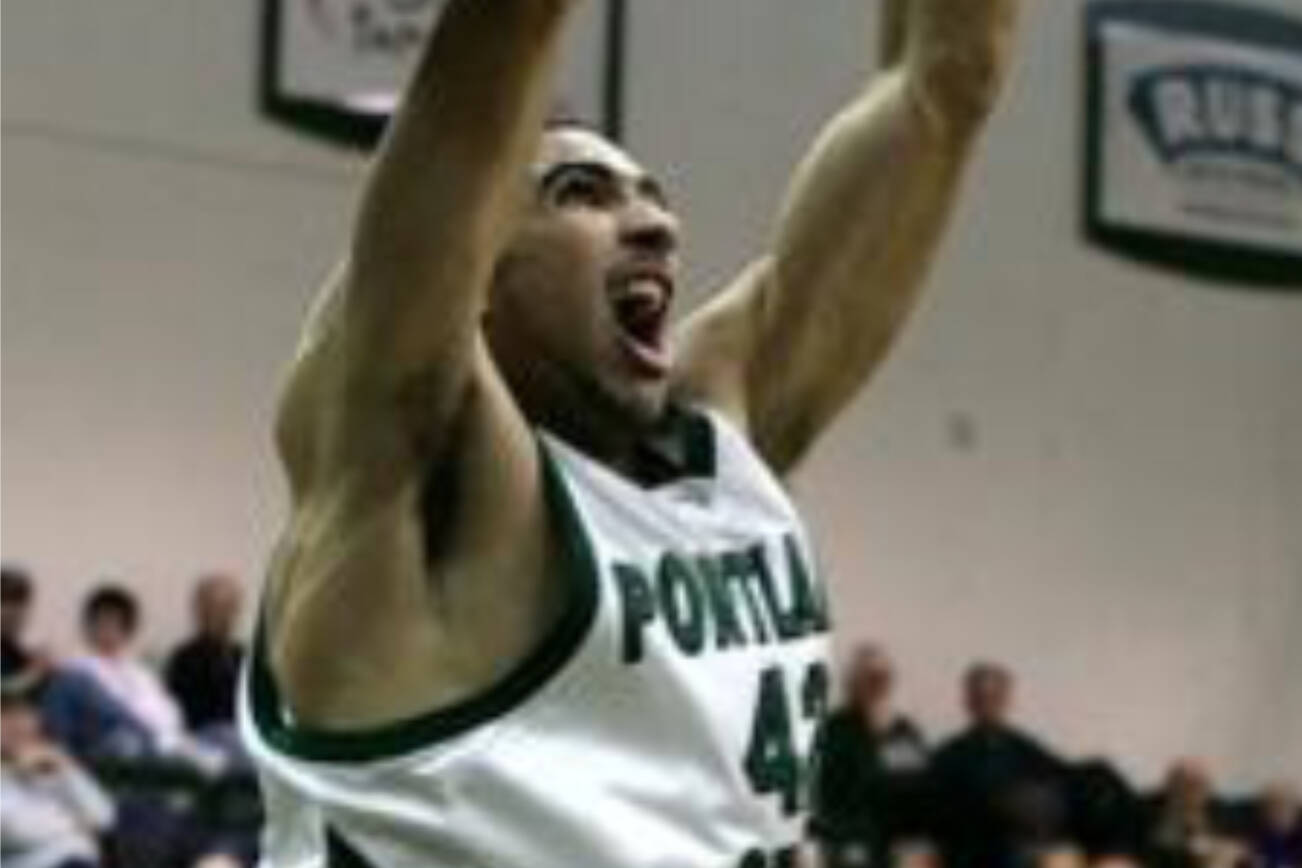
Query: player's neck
[
  {"x": 576, "y": 410},
  {"x": 597, "y": 431},
  {"x": 604, "y": 437}
]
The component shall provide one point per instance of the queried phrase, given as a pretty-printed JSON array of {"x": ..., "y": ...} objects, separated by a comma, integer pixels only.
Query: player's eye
[{"x": 582, "y": 189}]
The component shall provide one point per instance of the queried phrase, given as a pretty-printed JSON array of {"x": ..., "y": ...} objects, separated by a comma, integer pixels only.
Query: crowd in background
[
  {"x": 108, "y": 763},
  {"x": 995, "y": 796},
  {"x": 111, "y": 762}
]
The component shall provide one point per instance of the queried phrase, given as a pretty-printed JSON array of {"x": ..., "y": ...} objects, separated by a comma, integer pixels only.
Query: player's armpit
[{"x": 410, "y": 566}]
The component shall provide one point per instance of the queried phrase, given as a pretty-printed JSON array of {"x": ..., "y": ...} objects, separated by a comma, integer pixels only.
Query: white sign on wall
[
  {"x": 336, "y": 67},
  {"x": 1195, "y": 137}
]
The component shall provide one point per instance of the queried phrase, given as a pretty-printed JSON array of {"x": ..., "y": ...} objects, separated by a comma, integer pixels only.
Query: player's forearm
[
  {"x": 954, "y": 55},
  {"x": 866, "y": 212},
  {"x": 440, "y": 195}
]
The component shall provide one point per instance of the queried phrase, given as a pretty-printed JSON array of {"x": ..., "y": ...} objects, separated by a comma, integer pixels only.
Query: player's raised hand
[{"x": 957, "y": 52}]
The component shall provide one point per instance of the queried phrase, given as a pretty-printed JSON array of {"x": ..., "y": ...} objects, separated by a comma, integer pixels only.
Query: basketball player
[{"x": 542, "y": 600}]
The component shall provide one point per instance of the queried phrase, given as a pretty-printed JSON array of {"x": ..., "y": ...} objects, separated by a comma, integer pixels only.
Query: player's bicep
[{"x": 857, "y": 231}]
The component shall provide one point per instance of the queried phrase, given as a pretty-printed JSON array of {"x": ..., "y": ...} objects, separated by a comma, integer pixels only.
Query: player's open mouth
[{"x": 640, "y": 301}]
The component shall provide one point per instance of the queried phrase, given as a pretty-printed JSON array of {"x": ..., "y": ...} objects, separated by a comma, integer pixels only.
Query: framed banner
[
  {"x": 1193, "y": 137},
  {"x": 334, "y": 68}
]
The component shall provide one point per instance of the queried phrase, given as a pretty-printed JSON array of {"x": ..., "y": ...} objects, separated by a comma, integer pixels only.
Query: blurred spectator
[
  {"x": 915, "y": 854},
  {"x": 1186, "y": 828},
  {"x": 203, "y": 672},
  {"x": 1116, "y": 862},
  {"x": 1106, "y": 812},
  {"x": 999, "y": 796},
  {"x": 1061, "y": 857},
  {"x": 77, "y": 713},
  {"x": 871, "y": 763},
  {"x": 20, "y": 661},
  {"x": 1277, "y": 838},
  {"x": 110, "y": 619},
  {"x": 109, "y": 703},
  {"x": 52, "y": 814}
]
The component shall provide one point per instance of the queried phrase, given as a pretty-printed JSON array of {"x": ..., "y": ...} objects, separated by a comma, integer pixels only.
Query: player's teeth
[{"x": 646, "y": 288}]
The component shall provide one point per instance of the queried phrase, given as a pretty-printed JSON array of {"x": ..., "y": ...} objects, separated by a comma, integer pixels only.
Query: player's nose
[{"x": 649, "y": 229}]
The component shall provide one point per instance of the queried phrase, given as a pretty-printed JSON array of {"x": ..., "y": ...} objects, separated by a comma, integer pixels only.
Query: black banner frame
[
  {"x": 362, "y": 131},
  {"x": 1213, "y": 260}
]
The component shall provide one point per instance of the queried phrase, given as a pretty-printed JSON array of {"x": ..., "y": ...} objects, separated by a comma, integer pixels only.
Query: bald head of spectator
[
  {"x": 1277, "y": 836},
  {"x": 1116, "y": 861},
  {"x": 1063, "y": 856},
  {"x": 1188, "y": 786},
  {"x": 988, "y": 693},
  {"x": 1281, "y": 810},
  {"x": 218, "y": 598},
  {"x": 870, "y": 679},
  {"x": 915, "y": 854},
  {"x": 203, "y": 671}
]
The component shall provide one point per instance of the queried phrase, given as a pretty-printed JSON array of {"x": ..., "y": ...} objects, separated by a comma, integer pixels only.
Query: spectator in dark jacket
[
  {"x": 1277, "y": 842},
  {"x": 21, "y": 662},
  {"x": 999, "y": 795},
  {"x": 871, "y": 763},
  {"x": 203, "y": 672}
]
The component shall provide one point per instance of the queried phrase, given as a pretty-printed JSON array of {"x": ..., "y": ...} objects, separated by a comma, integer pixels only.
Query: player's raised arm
[
  {"x": 407, "y": 460},
  {"x": 436, "y": 209},
  {"x": 789, "y": 343},
  {"x": 400, "y": 320}
]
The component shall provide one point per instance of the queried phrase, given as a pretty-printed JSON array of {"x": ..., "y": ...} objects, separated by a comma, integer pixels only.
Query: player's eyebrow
[
  {"x": 645, "y": 184},
  {"x": 557, "y": 172}
]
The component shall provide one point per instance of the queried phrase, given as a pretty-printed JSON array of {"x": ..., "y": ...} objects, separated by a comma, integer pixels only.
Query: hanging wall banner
[
  {"x": 334, "y": 68},
  {"x": 1194, "y": 137}
]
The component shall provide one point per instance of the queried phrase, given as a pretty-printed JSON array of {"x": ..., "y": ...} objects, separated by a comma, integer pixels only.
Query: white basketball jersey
[{"x": 664, "y": 723}]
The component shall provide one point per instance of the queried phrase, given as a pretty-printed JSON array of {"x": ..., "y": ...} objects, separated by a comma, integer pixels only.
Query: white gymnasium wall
[{"x": 1085, "y": 468}]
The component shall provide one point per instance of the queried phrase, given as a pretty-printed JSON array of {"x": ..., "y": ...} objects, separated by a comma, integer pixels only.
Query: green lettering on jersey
[
  {"x": 771, "y": 762},
  {"x": 782, "y": 857},
  {"x": 786, "y": 621},
  {"x": 808, "y": 606},
  {"x": 735, "y": 596},
  {"x": 638, "y": 606},
  {"x": 720, "y": 603},
  {"x": 739, "y": 574},
  {"x": 681, "y": 602},
  {"x": 814, "y": 692}
]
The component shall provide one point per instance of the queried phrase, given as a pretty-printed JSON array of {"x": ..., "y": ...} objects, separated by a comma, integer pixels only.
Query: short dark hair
[
  {"x": 15, "y": 584},
  {"x": 112, "y": 599}
]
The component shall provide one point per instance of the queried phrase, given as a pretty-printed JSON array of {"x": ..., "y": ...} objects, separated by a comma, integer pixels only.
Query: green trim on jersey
[
  {"x": 701, "y": 460},
  {"x": 405, "y": 736},
  {"x": 340, "y": 854}
]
